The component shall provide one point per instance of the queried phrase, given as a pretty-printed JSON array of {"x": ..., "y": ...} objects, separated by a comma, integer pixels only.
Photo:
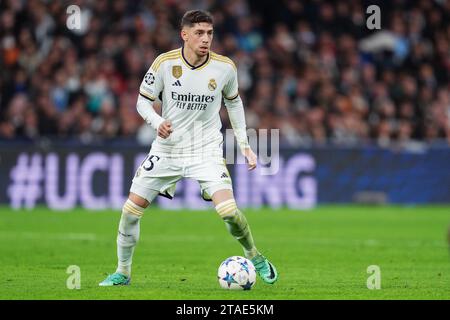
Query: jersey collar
[{"x": 190, "y": 66}]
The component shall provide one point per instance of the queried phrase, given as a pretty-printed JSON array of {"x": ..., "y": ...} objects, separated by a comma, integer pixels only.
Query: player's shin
[
  {"x": 238, "y": 227},
  {"x": 128, "y": 236}
]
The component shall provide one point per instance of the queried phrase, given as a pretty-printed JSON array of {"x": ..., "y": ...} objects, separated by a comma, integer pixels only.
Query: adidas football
[{"x": 237, "y": 273}]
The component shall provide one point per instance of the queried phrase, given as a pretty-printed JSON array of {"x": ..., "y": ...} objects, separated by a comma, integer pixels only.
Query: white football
[{"x": 237, "y": 273}]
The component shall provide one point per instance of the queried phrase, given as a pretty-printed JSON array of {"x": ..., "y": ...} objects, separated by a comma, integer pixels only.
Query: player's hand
[
  {"x": 251, "y": 157},
  {"x": 165, "y": 129}
]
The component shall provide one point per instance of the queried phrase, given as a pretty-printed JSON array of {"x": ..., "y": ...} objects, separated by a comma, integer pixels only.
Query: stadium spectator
[{"x": 310, "y": 68}]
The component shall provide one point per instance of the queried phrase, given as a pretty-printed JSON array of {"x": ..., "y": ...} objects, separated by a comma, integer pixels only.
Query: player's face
[{"x": 198, "y": 37}]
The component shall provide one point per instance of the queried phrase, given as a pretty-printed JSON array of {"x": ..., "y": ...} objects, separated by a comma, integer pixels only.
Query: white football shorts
[{"x": 159, "y": 175}]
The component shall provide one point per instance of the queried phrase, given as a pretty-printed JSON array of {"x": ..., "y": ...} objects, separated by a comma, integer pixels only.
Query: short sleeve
[
  {"x": 231, "y": 89},
  {"x": 152, "y": 84}
]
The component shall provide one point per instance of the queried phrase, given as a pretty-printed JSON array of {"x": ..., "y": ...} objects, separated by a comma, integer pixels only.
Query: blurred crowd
[{"x": 309, "y": 68}]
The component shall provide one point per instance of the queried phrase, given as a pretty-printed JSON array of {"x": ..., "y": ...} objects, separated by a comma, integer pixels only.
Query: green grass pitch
[{"x": 320, "y": 254}]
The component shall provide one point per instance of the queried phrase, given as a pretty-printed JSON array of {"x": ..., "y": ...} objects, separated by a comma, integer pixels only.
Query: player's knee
[
  {"x": 227, "y": 210},
  {"x": 234, "y": 219},
  {"x": 230, "y": 213},
  {"x": 132, "y": 209},
  {"x": 138, "y": 200},
  {"x": 129, "y": 224}
]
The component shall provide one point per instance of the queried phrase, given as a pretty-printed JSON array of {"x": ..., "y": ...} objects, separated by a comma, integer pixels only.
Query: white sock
[
  {"x": 128, "y": 236},
  {"x": 238, "y": 227}
]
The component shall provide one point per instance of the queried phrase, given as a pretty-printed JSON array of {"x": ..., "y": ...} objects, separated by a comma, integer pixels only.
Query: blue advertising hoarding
[{"x": 63, "y": 177}]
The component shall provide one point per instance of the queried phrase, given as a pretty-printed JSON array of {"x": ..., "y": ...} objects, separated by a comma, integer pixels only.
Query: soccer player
[{"x": 190, "y": 82}]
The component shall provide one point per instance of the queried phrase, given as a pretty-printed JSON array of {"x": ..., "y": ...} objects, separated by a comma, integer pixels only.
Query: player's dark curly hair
[{"x": 196, "y": 16}]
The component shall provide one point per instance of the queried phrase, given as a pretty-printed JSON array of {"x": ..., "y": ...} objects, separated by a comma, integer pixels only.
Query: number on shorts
[{"x": 149, "y": 158}]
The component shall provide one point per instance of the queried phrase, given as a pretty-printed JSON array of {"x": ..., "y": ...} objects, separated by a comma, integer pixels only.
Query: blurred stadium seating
[{"x": 310, "y": 68}]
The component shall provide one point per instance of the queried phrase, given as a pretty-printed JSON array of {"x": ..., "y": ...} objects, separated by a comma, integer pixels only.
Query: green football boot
[
  {"x": 115, "y": 279},
  {"x": 265, "y": 269}
]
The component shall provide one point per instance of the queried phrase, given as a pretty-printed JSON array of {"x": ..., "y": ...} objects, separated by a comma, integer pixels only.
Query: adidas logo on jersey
[
  {"x": 177, "y": 83},
  {"x": 224, "y": 175}
]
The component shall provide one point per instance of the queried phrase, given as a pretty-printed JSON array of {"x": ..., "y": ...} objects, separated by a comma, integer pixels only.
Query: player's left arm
[{"x": 235, "y": 109}]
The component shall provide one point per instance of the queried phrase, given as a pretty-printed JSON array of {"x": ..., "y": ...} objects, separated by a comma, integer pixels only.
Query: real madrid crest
[
  {"x": 177, "y": 71},
  {"x": 212, "y": 85}
]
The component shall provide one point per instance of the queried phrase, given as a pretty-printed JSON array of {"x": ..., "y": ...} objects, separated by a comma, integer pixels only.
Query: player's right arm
[{"x": 151, "y": 86}]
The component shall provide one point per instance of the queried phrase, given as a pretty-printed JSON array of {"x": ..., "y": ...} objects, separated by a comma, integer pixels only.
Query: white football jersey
[{"x": 191, "y": 99}]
